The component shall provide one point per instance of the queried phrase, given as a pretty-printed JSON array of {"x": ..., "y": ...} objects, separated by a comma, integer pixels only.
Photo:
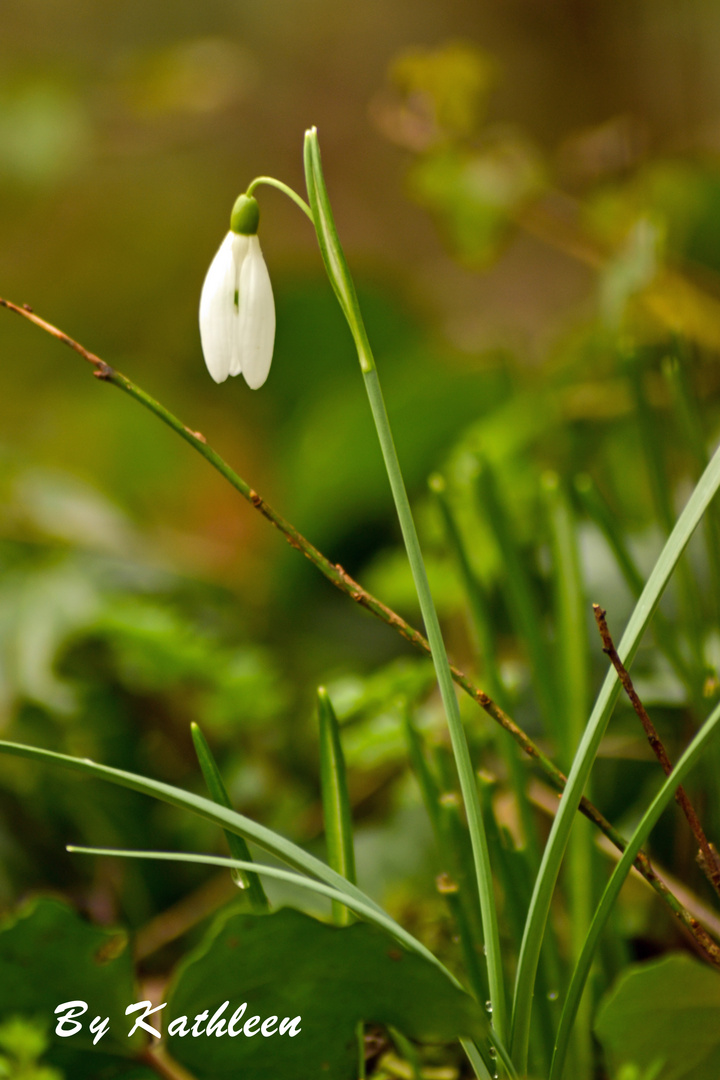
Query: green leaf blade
[{"x": 237, "y": 844}]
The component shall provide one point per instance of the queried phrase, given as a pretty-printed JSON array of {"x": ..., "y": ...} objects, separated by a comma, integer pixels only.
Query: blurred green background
[{"x": 529, "y": 195}]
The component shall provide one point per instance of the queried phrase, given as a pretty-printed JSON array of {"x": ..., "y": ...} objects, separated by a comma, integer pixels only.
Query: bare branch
[
  {"x": 707, "y": 857},
  {"x": 342, "y": 580}
]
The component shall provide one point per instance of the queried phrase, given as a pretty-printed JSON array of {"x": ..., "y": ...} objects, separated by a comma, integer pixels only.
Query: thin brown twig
[
  {"x": 707, "y": 857},
  {"x": 544, "y": 798},
  {"x": 343, "y": 581}
]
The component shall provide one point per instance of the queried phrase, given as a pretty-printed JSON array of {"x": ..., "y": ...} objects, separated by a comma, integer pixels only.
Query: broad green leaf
[
  {"x": 664, "y": 1014},
  {"x": 49, "y": 955},
  {"x": 288, "y": 965}
]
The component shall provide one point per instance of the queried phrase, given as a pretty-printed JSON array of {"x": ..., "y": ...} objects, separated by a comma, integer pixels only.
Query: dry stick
[
  {"x": 707, "y": 857},
  {"x": 342, "y": 580}
]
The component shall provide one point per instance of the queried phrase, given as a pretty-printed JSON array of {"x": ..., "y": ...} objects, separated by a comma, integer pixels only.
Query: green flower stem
[
  {"x": 341, "y": 280},
  {"x": 342, "y": 580},
  {"x": 461, "y": 751},
  {"x": 331, "y": 250},
  {"x": 270, "y": 181}
]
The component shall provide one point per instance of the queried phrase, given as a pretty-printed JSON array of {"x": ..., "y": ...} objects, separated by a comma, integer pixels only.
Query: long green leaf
[
  {"x": 663, "y": 798},
  {"x": 231, "y": 820},
  {"x": 368, "y": 912},
  {"x": 237, "y": 844},
  {"x": 571, "y": 650},
  {"x": 555, "y": 848},
  {"x": 335, "y": 799}
]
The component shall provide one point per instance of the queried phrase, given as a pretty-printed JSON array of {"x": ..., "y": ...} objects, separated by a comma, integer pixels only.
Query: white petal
[
  {"x": 218, "y": 318},
  {"x": 256, "y": 317},
  {"x": 240, "y": 249}
]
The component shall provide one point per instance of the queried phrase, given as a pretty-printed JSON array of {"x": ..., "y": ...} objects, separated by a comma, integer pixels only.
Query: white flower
[{"x": 237, "y": 312}]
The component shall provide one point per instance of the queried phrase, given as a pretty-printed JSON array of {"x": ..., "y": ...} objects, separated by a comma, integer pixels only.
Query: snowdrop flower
[{"x": 237, "y": 310}]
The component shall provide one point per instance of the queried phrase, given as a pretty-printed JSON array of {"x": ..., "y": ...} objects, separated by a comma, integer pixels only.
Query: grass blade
[
  {"x": 237, "y": 844},
  {"x": 574, "y": 695},
  {"x": 335, "y": 800},
  {"x": 368, "y": 912},
  {"x": 555, "y": 848}
]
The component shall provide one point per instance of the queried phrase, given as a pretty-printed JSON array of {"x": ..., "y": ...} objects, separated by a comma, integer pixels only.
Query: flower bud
[{"x": 245, "y": 216}]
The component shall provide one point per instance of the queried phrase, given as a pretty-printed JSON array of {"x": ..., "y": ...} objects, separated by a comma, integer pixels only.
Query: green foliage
[
  {"x": 369, "y": 710},
  {"x": 289, "y": 965},
  {"x": 662, "y": 1018}
]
